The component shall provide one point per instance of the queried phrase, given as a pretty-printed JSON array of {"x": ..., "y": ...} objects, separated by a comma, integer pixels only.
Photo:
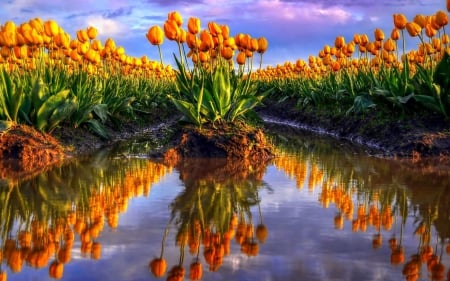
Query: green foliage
[
  {"x": 433, "y": 89},
  {"x": 214, "y": 95}
]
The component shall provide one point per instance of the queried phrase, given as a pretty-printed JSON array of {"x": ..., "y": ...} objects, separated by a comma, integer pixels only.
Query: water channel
[{"x": 321, "y": 210}]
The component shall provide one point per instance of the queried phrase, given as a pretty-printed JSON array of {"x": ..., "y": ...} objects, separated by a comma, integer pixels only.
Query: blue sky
[{"x": 294, "y": 28}]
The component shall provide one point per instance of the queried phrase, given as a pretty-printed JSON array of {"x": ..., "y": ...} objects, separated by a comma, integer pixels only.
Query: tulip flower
[
  {"x": 400, "y": 21},
  {"x": 413, "y": 29},
  {"x": 194, "y": 25}
]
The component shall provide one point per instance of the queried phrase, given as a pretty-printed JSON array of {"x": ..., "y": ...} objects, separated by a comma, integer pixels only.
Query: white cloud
[{"x": 107, "y": 27}]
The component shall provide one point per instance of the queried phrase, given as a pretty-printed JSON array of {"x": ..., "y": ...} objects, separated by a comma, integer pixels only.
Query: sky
[{"x": 294, "y": 29}]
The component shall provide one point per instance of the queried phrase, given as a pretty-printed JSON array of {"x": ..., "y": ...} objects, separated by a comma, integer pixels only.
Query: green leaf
[
  {"x": 187, "y": 109},
  {"x": 98, "y": 128},
  {"x": 101, "y": 110},
  {"x": 47, "y": 108},
  {"x": 61, "y": 113}
]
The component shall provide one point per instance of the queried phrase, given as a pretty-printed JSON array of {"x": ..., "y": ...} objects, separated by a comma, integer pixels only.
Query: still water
[{"x": 319, "y": 211}]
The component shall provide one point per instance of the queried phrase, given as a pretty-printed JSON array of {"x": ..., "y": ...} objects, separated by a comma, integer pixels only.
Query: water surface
[{"x": 319, "y": 211}]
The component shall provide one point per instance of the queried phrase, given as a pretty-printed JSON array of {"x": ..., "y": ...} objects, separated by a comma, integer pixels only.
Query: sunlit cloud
[{"x": 294, "y": 28}]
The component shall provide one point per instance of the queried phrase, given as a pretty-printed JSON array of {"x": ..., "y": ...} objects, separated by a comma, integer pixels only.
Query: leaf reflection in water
[{"x": 213, "y": 209}]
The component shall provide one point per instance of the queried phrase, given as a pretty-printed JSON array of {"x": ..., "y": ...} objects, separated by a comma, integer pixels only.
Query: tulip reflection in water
[
  {"x": 381, "y": 198},
  {"x": 42, "y": 217},
  {"x": 214, "y": 209}
]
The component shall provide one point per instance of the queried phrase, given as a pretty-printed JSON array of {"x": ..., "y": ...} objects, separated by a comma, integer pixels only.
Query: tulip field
[{"x": 49, "y": 78}]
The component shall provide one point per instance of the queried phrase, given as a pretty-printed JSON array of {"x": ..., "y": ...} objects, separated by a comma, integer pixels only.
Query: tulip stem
[{"x": 160, "y": 54}]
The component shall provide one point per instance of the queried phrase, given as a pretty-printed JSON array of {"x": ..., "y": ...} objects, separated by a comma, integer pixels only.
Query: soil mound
[
  {"x": 221, "y": 141},
  {"x": 24, "y": 151}
]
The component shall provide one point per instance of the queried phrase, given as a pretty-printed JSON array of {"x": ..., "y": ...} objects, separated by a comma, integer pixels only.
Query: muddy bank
[{"x": 418, "y": 137}]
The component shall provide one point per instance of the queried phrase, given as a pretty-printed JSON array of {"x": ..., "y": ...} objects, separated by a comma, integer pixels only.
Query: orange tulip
[
  {"x": 194, "y": 25},
  {"x": 225, "y": 31},
  {"x": 413, "y": 29},
  {"x": 395, "y": 34},
  {"x": 430, "y": 31},
  {"x": 240, "y": 58},
  {"x": 448, "y": 9},
  {"x": 51, "y": 28},
  {"x": 227, "y": 53},
  {"x": 155, "y": 35},
  {"x": 171, "y": 30},
  {"x": 420, "y": 20},
  {"x": 364, "y": 40},
  {"x": 400, "y": 21},
  {"x": 262, "y": 45},
  {"x": 441, "y": 18},
  {"x": 196, "y": 271},
  {"x": 339, "y": 42},
  {"x": 253, "y": 46},
  {"x": 389, "y": 45},
  {"x": 176, "y": 17},
  {"x": 158, "y": 267},
  {"x": 357, "y": 39},
  {"x": 379, "y": 34},
  {"x": 214, "y": 28}
]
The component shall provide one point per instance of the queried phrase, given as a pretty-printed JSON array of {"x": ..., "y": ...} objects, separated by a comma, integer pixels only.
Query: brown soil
[
  {"x": 25, "y": 151},
  {"x": 414, "y": 138},
  {"x": 235, "y": 141}
]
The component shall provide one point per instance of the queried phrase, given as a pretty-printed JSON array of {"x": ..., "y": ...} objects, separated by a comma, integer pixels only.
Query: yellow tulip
[
  {"x": 413, "y": 29},
  {"x": 155, "y": 35},
  {"x": 110, "y": 44},
  {"x": 92, "y": 32},
  {"x": 194, "y": 25},
  {"x": 51, "y": 28},
  {"x": 37, "y": 24},
  {"x": 82, "y": 35},
  {"x": 400, "y": 21},
  {"x": 176, "y": 17}
]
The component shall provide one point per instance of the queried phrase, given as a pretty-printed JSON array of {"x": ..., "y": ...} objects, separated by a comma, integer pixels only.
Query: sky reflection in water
[{"x": 322, "y": 209}]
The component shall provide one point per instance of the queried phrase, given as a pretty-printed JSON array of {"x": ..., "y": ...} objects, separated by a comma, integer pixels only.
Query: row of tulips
[
  {"x": 212, "y": 91},
  {"x": 367, "y": 73},
  {"x": 47, "y": 78}
]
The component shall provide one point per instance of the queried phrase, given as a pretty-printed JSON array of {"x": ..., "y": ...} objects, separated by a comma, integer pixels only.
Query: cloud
[
  {"x": 123, "y": 11},
  {"x": 107, "y": 27}
]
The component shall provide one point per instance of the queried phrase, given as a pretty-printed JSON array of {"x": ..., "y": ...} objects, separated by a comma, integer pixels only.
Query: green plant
[
  {"x": 214, "y": 95},
  {"x": 433, "y": 88}
]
